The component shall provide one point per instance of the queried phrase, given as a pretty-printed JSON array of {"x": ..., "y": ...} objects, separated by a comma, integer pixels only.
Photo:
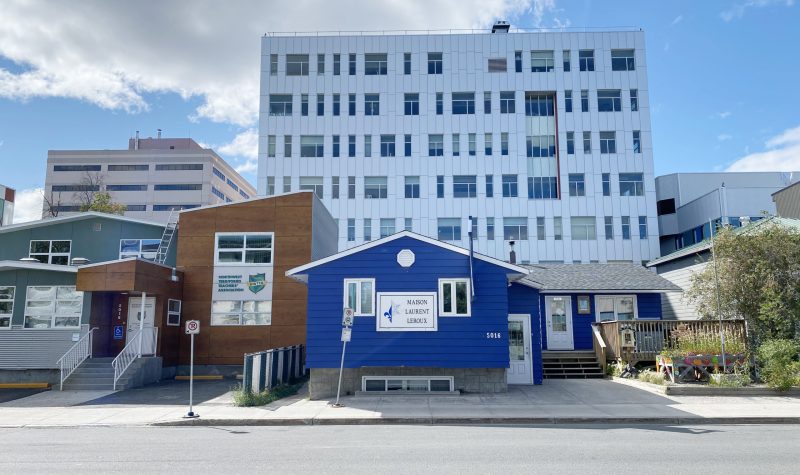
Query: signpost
[
  {"x": 347, "y": 322},
  {"x": 192, "y": 329}
]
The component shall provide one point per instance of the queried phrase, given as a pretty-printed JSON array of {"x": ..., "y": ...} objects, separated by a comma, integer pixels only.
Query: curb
[{"x": 478, "y": 420}]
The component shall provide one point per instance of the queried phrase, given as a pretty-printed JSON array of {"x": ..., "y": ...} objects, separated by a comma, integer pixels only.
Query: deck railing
[{"x": 653, "y": 336}]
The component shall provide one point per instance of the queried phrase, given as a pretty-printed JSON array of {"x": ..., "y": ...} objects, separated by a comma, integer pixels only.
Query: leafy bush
[
  {"x": 242, "y": 398},
  {"x": 615, "y": 369},
  {"x": 652, "y": 377},
  {"x": 779, "y": 368}
]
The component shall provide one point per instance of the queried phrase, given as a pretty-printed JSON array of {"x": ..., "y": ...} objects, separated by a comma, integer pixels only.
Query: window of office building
[
  {"x": 280, "y": 104},
  {"x": 583, "y": 228},
  {"x": 387, "y": 145},
  {"x": 367, "y": 145},
  {"x": 490, "y": 186},
  {"x": 351, "y": 187},
  {"x": 375, "y": 187},
  {"x": 312, "y": 145},
  {"x": 335, "y": 146},
  {"x": 440, "y": 186},
  {"x": 439, "y": 103},
  {"x": 249, "y": 248},
  {"x": 407, "y": 145},
  {"x": 435, "y": 63},
  {"x": 487, "y": 144},
  {"x": 606, "y": 184},
  {"x": 586, "y": 59},
  {"x": 634, "y": 100},
  {"x": 497, "y": 65},
  {"x": 408, "y": 224},
  {"x": 312, "y": 183},
  {"x": 336, "y": 104},
  {"x": 351, "y": 145},
  {"x": 351, "y": 104},
  {"x": 609, "y": 227},
  {"x": 320, "y": 105},
  {"x": 367, "y": 229},
  {"x": 335, "y": 187},
  {"x": 471, "y": 145},
  {"x": 304, "y": 104},
  {"x": 351, "y": 64},
  {"x": 387, "y": 227},
  {"x": 375, "y": 64},
  {"x": 351, "y": 229},
  {"x": 287, "y": 146},
  {"x": 337, "y": 64},
  {"x": 411, "y": 104},
  {"x": 570, "y": 143},
  {"x": 515, "y": 229},
  {"x": 76, "y": 168},
  {"x": 541, "y": 146},
  {"x": 490, "y": 228},
  {"x": 504, "y": 143},
  {"x": 463, "y": 103},
  {"x": 540, "y": 230},
  {"x": 449, "y": 229},
  {"x": 626, "y": 227},
  {"x": 608, "y": 142},
  {"x": 320, "y": 64},
  {"x": 587, "y": 142},
  {"x": 538, "y": 104},
  {"x": 584, "y": 100},
  {"x": 372, "y": 104},
  {"x": 567, "y": 101},
  {"x": 642, "y": 227},
  {"x": 565, "y": 56},
  {"x": 558, "y": 229},
  {"x": 637, "y": 141},
  {"x": 465, "y": 186},
  {"x": 507, "y": 102},
  {"x": 541, "y": 61},
  {"x": 412, "y": 187},
  {"x": 631, "y": 184},
  {"x": 406, "y": 63},
  {"x": 297, "y": 65},
  {"x": 273, "y": 64},
  {"x": 435, "y": 145},
  {"x": 287, "y": 184},
  {"x": 456, "y": 145},
  {"x": 577, "y": 184},
  {"x": 622, "y": 60},
  {"x": 128, "y": 168},
  {"x": 543, "y": 187},
  {"x": 487, "y": 102},
  {"x": 609, "y": 100},
  {"x": 510, "y": 186}
]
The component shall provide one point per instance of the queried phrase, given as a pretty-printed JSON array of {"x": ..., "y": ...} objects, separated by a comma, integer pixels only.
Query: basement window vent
[{"x": 407, "y": 384}]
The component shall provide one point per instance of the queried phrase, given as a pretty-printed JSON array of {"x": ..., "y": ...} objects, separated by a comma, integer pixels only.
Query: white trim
[
  {"x": 570, "y": 322},
  {"x": 385, "y": 379},
  {"x": 527, "y": 345},
  {"x": 454, "y": 281},
  {"x": 357, "y": 311},
  {"x": 7, "y": 265},
  {"x": 297, "y": 271},
  {"x": 50, "y": 254},
  {"x": 635, "y": 308},
  {"x": 601, "y": 291},
  {"x": 244, "y": 249},
  {"x": 75, "y": 217},
  {"x": 10, "y": 315},
  {"x": 170, "y": 313},
  {"x": 117, "y": 261},
  {"x": 54, "y": 301},
  {"x": 139, "y": 252},
  {"x": 257, "y": 198}
]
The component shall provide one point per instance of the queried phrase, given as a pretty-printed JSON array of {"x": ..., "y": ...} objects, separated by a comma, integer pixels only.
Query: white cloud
[
  {"x": 737, "y": 11},
  {"x": 244, "y": 145},
  {"x": 666, "y": 46},
  {"x": 112, "y": 54},
  {"x": 677, "y": 20},
  {"x": 782, "y": 154},
  {"x": 28, "y": 205},
  {"x": 724, "y": 137},
  {"x": 724, "y": 115}
]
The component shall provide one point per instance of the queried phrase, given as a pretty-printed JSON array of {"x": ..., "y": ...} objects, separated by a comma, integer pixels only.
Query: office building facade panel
[{"x": 485, "y": 140}]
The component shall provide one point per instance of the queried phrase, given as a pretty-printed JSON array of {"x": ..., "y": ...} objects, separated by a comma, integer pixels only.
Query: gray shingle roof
[{"x": 595, "y": 277}]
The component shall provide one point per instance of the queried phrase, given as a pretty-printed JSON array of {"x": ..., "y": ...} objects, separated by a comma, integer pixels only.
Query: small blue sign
[{"x": 118, "y": 332}]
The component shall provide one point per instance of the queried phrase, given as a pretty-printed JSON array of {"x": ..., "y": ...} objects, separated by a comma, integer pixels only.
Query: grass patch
[
  {"x": 242, "y": 398},
  {"x": 735, "y": 380},
  {"x": 650, "y": 376}
]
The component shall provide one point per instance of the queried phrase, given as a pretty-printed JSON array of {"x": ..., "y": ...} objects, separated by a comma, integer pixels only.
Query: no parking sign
[{"x": 193, "y": 327}]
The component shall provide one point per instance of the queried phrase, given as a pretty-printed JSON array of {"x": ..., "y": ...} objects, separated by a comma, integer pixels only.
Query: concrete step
[{"x": 88, "y": 386}]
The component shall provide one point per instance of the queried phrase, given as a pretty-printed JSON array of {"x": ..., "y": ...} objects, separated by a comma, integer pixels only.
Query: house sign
[{"x": 406, "y": 312}]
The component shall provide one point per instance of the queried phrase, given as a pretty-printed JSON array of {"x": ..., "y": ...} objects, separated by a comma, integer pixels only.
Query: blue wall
[
  {"x": 460, "y": 342},
  {"x": 648, "y": 306},
  {"x": 523, "y": 299}
]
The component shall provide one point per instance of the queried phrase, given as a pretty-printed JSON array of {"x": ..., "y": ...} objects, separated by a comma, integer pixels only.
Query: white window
[
  {"x": 144, "y": 248},
  {"x": 454, "y": 298},
  {"x": 312, "y": 183},
  {"x": 51, "y": 252},
  {"x": 238, "y": 248},
  {"x": 541, "y": 61},
  {"x": 615, "y": 307},
  {"x": 173, "y": 313},
  {"x": 53, "y": 307},
  {"x": 241, "y": 312},
  {"x": 6, "y": 306},
  {"x": 359, "y": 294},
  {"x": 583, "y": 228}
]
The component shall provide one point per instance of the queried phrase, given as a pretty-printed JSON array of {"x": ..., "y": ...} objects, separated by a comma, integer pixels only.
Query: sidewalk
[{"x": 555, "y": 402}]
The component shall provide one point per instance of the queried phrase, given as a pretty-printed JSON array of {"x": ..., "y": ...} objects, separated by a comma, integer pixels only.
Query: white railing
[
  {"x": 134, "y": 349},
  {"x": 76, "y": 355}
]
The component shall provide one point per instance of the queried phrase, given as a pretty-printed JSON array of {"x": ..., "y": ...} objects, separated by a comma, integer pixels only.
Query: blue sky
[{"x": 722, "y": 74}]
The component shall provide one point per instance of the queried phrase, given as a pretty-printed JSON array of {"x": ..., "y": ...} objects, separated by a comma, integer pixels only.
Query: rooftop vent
[
  {"x": 501, "y": 27},
  {"x": 80, "y": 261}
]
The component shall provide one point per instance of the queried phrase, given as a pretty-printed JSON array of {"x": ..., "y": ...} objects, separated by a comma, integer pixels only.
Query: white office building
[
  {"x": 543, "y": 138},
  {"x": 153, "y": 177},
  {"x": 689, "y": 202}
]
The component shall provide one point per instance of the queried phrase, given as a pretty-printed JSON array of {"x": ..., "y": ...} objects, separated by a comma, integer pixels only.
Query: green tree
[
  {"x": 758, "y": 270},
  {"x": 101, "y": 202}
]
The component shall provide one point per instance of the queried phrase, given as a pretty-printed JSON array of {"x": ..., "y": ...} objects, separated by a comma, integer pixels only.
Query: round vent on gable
[{"x": 406, "y": 258}]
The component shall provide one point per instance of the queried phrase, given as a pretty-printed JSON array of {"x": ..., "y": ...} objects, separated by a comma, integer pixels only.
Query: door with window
[
  {"x": 134, "y": 319},
  {"x": 520, "y": 367},
  {"x": 558, "y": 312}
]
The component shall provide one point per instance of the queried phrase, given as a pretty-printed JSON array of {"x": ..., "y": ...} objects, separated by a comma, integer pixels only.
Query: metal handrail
[
  {"x": 131, "y": 353},
  {"x": 77, "y": 354}
]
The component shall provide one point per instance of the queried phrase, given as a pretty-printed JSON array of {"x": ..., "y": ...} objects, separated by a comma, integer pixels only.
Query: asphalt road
[{"x": 404, "y": 449}]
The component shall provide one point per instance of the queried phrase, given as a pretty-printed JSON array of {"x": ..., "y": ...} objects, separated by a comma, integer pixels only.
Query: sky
[{"x": 722, "y": 74}]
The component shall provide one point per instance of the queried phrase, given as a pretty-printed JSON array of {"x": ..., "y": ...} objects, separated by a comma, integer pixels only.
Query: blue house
[{"x": 430, "y": 316}]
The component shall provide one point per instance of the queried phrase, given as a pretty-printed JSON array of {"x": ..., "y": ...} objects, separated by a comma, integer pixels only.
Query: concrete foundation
[
  {"x": 323, "y": 381},
  {"x": 52, "y": 376}
]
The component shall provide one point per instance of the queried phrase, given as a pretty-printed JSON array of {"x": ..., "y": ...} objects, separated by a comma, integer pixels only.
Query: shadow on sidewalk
[{"x": 171, "y": 393}]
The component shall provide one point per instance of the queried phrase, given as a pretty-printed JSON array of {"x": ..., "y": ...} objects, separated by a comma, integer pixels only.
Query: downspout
[{"x": 471, "y": 255}]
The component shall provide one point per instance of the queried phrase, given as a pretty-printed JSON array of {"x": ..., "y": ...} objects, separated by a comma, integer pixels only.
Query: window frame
[
  {"x": 586, "y": 61},
  {"x": 515, "y": 226},
  {"x": 435, "y": 65},
  {"x": 542, "y": 61},
  {"x": 54, "y": 305},
  {"x": 453, "y": 224},
  {"x": 50, "y": 254},
  {"x": 359, "y": 281},
  {"x": 10, "y": 315},
  {"x": 297, "y": 59},
  {"x": 614, "y": 298},
  {"x": 609, "y": 100},
  {"x": 139, "y": 254},
  {"x": 462, "y": 103},
  {"x": 628, "y": 63},
  {"x": 240, "y": 313},
  {"x": 244, "y": 249},
  {"x": 172, "y": 313},
  {"x": 376, "y": 64},
  {"x": 465, "y": 186},
  {"x": 454, "y": 281},
  {"x": 636, "y": 186}
]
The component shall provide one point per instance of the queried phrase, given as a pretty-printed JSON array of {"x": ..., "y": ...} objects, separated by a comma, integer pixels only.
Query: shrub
[
  {"x": 616, "y": 368},
  {"x": 650, "y": 376},
  {"x": 735, "y": 380},
  {"x": 242, "y": 398},
  {"x": 703, "y": 342},
  {"x": 779, "y": 368}
]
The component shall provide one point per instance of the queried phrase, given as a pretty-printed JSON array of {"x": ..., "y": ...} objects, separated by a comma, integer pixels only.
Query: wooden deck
[{"x": 652, "y": 336}]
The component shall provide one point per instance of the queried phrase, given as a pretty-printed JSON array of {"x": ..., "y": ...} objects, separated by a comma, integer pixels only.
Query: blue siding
[
  {"x": 523, "y": 299},
  {"x": 648, "y": 307},
  {"x": 460, "y": 342}
]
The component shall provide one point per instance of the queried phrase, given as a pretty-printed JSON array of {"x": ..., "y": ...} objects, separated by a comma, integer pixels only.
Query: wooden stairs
[{"x": 571, "y": 365}]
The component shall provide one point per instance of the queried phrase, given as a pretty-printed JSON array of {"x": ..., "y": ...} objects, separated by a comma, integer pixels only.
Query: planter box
[{"x": 678, "y": 369}]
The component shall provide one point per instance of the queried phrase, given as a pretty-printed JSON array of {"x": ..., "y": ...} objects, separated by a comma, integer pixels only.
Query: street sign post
[
  {"x": 192, "y": 329},
  {"x": 347, "y": 322}
]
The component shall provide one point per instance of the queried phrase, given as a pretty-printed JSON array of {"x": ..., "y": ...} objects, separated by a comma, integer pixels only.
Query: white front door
[
  {"x": 558, "y": 313},
  {"x": 134, "y": 319},
  {"x": 520, "y": 368}
]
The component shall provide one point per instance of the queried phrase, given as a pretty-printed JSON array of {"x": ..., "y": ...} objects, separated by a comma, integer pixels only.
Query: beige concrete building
[{"x": 152, "y": 177}]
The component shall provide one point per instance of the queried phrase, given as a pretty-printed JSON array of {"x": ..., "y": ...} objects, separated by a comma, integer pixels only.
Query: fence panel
[{"x": 266, "y": 369}]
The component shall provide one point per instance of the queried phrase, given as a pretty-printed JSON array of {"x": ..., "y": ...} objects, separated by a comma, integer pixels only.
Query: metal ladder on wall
[{"x": 166, "y": 237}]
